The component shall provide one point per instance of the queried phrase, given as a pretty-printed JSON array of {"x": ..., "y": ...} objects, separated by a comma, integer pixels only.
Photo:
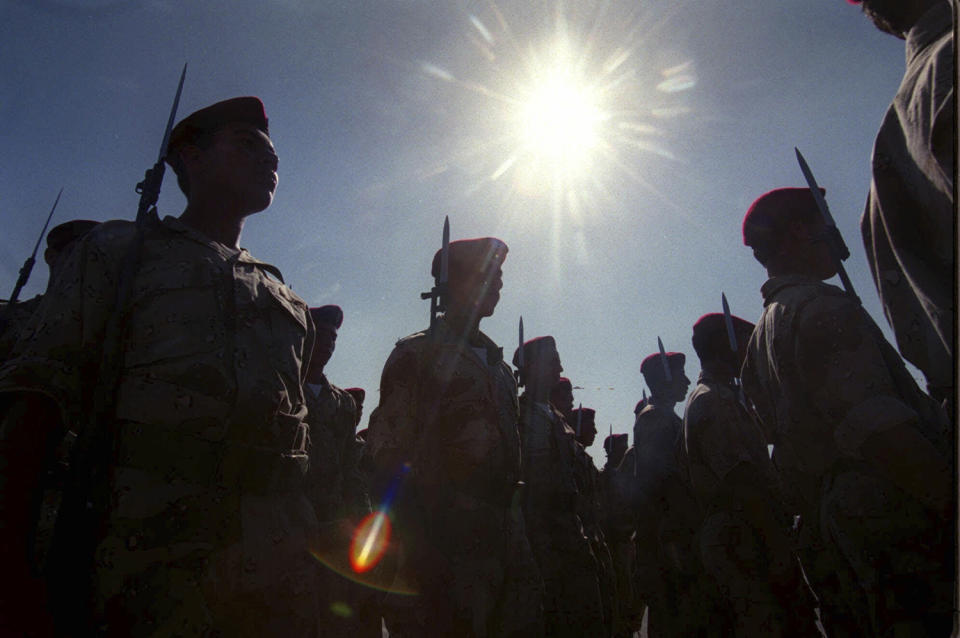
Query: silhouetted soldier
[
  {"x": 670, "y": 572},
  {"x": 561, "y": 397},
  {"x": 447, "y": 424},
  {"x": 572, "y": 603},
  {"x": 195, "y": 518},
  {"x": 743, "y": 542},
  {"x": 60, "y": 240},
  {"x": 909, "y": 224},
  {"x": 862, "y": 448},
  {"x": 590, "y": 510}
]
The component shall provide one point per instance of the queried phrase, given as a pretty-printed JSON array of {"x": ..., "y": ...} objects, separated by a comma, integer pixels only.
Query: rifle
[
  {"x": 26, "y": 269},
  {"x": 438, "y": 294},
  {"x": 86, "y": 502}
]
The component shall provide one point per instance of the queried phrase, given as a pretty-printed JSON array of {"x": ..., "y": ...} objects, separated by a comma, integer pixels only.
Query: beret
[
  {"x": 613, "y": 439},
  {"x": 248, "y": 110},
  {"x": 713, "y": 326},
  {"x": 358, "y": 394},
  {"x": 480, "y": 254},
  {"x": 330, "y": 315},
  {"x": 589, "y": 414},
  {"x": 62, "y": 235},
  {"x": 651, "y": 365},
  {"x": 773, "y": 209},
  {"x": 532, "y": 348}
]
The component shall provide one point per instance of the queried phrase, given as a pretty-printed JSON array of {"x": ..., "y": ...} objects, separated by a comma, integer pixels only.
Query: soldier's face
[
  {"x": 547, "y": 368},
  {"x": 563, "y": 400},
  {"x": 240, "y": 168},
  {"x": 588, "y": 434},
  {"x": 819, "y": 256},
  {"x": 324, "y": 346},
  {"x": 477, "y": 290}
]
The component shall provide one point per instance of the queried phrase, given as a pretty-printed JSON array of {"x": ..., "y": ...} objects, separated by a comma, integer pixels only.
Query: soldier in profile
[
  {"x": 861, "y": 448},
  {"x": 191, "y": 516},
  {"x": 743, "y": 541},
  {"x": 446, "y": 431},
  {"x": 572, "y": 600}
]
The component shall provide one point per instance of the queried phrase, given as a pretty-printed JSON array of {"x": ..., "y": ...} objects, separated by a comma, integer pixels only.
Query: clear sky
[{"x": 614, "y": 146}]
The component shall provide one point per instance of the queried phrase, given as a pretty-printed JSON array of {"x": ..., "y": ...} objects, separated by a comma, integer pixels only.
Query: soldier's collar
[
  {"x": 483, "y": 342},
  {"x": 775, "y": 284},
  {"x": 931, "y": 25}
]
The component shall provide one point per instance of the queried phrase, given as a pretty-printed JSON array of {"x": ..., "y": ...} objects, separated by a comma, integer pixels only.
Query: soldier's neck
[
  {"x": 463, "y": 323},
  {"x": 315, "y": 375},
  {"x": 719, "y": 370},
  {"x": 220, "y": 226},
  {"x": 662, "y": 402}
]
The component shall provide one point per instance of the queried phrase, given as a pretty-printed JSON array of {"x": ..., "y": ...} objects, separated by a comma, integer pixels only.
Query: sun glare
[{"x": 560, "y": 122}]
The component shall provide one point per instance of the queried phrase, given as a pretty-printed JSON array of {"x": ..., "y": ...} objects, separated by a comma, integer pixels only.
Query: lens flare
[{"x": 370, "y": 541}]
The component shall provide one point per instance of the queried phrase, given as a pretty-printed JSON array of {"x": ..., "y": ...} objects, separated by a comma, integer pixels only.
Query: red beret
[
  {"x": 771, "y": 210},
  {"x": 248, "y": 110},
  {"x": 563, "y": 384},
  {"x": 532, "y": 348},
  {"x": 613, "y": 439},
  {"x": 330, "y": 315},
  {"x": 589, "y": 414},
  {"x": 64, "y": 234},
  {"x": 358, "y": 394},
  {"x": 651, "y": 367},
  {"x": 480, "y": 254}
]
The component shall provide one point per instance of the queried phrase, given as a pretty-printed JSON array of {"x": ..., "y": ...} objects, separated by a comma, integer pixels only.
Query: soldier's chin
[{"x": 488, "y": 304}]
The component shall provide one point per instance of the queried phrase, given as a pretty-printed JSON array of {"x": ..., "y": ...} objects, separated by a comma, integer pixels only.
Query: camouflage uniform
[
  {"x": 743, "y": 541},
  {"x": 448, "y": 412},
  {"x": 338, "y": 493},
  {"x": 619, "y": 522},
  {"x": 572, "y": 604},
  {"x": 824, "y": 381},
  {"x": 589, "y": 509},
  {"x": 208, "y": 527},
  {"x": 909, "y": 224},
  {"x": 678, "y": 598}
]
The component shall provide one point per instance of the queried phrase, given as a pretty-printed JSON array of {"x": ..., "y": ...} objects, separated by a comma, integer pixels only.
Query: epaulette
[{"x": 417, "y": 336}]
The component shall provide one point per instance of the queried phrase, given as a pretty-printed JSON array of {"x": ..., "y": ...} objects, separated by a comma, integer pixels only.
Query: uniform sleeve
[
  {"x": 711, "y": 428},
  {"x": 846, "y": 377},
  {"x": 393, "y": 423}
]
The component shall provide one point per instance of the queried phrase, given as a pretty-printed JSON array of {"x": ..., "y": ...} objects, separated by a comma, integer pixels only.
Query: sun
[{"x": 560, "y": 122}]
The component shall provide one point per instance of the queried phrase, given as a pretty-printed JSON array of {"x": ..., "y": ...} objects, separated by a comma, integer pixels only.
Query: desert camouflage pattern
[
  {"x": 824, "y": 381},
  {"x": 209, "y": 528},
  {"x": 743, "y": 541},
  {"x": 670, "y": 574},
  {"x": 572, "y": 602},
  {"x": 590, "y": 511},
  {"x": 19, "y": 317},
  {"x": 908, "y": 225},
  {"x": 447, "y": 423}
]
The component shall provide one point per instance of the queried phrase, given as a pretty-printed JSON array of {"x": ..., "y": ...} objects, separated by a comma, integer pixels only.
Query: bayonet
[
  {"x": 728, "y": 322},
  {"x": 663, "y": 359},
  {"x": 520, "y": 346},
  {"x": 27, "y": 267},
  {"x": 579, "y": 419},
  {"x": 643, "y": 394},
  {"x": 149, "y": 188},
  {"x": 438, "y": 294},
  {"x": 837, "y": 246}
]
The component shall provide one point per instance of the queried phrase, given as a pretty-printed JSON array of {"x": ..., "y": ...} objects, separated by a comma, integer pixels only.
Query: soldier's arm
[{"x": 849, "y": 383}]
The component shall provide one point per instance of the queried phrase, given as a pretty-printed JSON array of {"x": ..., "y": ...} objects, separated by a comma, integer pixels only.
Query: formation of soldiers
[{"x": 174, "y": 460}]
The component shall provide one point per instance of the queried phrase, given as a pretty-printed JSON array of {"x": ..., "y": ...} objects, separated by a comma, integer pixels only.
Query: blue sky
[{"x": 388, "y": 115}]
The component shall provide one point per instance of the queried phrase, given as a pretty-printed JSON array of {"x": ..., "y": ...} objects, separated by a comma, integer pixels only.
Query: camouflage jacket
[
  {"x": 720, "y": 434},
  {"x": 823, "y": 380},
  {"x": 10, "y": 326},
  {"x": 211, "y": 353},
  {"x": 335, "y": 484},
  {"x": 662, "y": 478},
  {"x": 549, "y": 461},
  {"x": 449, "y": 410}
]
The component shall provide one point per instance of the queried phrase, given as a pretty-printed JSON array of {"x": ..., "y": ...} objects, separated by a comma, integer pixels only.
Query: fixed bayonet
[
  {"x": 149, "y": 188},
  {"x": 728, "y": 322},
  {"x": 27, "y": 267},
  {"x": 579, "y": 419},
  {"x": 663, "y": 360},
  {"x": 837, "y": 246},
  {"x": 438, "y": 294},
  {"x": 520, "y": 345},
  {"x": 643, "y": 394}
]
